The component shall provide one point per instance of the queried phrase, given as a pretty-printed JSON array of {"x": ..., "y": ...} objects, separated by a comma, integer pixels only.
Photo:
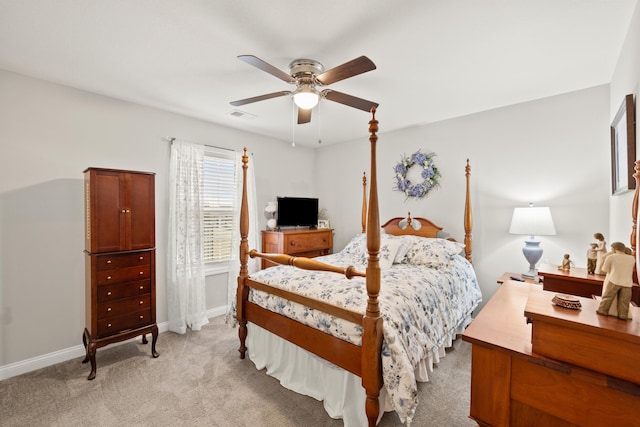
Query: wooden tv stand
[
  {"x": 303, "y": 243},
  {"x": 513, "y": 386}
]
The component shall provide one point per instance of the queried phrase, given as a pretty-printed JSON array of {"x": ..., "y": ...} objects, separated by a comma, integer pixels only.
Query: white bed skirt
[{"x": 340, "y": 391}]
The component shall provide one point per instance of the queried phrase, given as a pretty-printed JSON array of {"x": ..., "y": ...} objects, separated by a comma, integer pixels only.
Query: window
[{"x": 219, "y": 195}]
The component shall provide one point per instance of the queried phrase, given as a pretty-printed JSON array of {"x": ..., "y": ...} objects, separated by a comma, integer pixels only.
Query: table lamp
[
  {"x": 532, "y": 221},
  {"x": 270, "y": 212}
]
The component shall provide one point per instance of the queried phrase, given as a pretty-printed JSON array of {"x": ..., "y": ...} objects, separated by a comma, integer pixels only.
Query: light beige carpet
[{"x": 199, "y": 380}]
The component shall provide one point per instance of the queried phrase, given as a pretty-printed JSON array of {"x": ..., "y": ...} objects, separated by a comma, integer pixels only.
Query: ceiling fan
[{"x": 307, "y": 75}]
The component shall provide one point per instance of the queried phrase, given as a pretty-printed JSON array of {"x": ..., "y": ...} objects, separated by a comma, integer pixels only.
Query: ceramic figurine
[
  {"x": 592, "y": 258},
  {"x": 601, "y": 248},
  {"x": 618, "y": 265},
  {"x": 566, "y": 263}
]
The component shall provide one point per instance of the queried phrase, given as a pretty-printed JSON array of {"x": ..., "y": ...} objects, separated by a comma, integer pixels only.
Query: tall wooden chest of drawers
[
  {"x": 303, "y": 243},
  {"x": 119, "y": 259}
]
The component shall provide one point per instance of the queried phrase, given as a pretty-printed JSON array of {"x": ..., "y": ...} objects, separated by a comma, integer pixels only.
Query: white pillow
[
  {"x": 432, "y": 252},
  {"x": 392, "y": 249}
]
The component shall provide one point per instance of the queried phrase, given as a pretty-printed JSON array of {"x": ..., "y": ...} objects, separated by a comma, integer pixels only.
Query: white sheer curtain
[
  {"x": 185, "y": 275},
  {"x": 234, "y": 264}
]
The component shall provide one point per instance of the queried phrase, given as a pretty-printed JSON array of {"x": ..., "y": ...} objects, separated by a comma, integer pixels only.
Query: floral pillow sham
[{"x": 432, "y": 252}]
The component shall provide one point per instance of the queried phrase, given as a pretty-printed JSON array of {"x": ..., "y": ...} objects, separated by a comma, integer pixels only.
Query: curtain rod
[{"x": 173, "y": 138}]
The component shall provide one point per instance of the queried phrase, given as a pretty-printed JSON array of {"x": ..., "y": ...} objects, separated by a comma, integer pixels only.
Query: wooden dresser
[
  {"x": 576, "y": 282},
  {"x": 303, "y": 243},
  {"x": 513, "y": 385},
  {"x": 119, "y": 259}
]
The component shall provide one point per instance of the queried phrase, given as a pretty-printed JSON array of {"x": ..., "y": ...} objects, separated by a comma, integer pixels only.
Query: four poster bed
[{"x": 357, "y": 329}]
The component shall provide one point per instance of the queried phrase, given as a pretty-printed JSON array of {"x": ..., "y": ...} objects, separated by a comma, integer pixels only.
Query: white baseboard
[{"x": 39, "y": 362}]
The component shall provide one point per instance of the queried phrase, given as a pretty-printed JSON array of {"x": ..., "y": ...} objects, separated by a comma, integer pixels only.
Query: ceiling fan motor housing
[{"x": 305, "y": 68}]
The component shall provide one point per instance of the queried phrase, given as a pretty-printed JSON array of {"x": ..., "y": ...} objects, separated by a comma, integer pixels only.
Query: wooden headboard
[{"x": 412, "y": 226}]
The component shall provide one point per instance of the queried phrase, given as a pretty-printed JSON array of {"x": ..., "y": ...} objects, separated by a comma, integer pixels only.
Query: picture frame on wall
[{"x": 623, "y": 147}]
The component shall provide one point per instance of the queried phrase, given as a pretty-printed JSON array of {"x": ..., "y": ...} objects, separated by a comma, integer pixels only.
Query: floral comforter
[{"x": 422, "y": 308}]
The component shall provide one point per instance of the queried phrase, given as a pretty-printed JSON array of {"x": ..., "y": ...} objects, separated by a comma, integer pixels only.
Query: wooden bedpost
[
  {"x": 372, "y": 321},
  {"x": 468, "y": 221},
  {"x": 634, "y": 209},
  {"x": 364, "y": 202},
  {"x": 243, "y": 290}
]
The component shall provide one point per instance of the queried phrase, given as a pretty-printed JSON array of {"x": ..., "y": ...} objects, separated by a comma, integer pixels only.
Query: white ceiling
[{"x": 436, "y": 59}]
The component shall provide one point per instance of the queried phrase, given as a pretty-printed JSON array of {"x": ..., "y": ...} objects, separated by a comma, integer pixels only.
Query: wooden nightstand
[{"x": 576, "y": 282}]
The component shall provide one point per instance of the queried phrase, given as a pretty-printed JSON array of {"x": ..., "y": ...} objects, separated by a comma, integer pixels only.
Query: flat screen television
[{"x": 297, "y": 212}]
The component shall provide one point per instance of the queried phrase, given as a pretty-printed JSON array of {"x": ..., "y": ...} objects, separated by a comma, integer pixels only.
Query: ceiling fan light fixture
[{"x": 306, "y": 97}]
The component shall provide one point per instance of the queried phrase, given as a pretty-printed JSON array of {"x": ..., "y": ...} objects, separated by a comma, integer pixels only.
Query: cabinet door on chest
[{"x": 120, "y": 210}]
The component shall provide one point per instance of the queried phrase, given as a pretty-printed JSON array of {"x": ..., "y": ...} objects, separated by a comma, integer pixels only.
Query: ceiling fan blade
[
  {"x": 264, "y": 66},
  {"x": 348, "y": 69},
  {"x": 304, "y": 116},
  {"x": 351, "y": 101},
  {"x": 260, "y": 98}
]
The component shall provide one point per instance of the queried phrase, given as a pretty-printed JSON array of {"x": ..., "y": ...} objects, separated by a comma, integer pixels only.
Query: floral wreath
[{"x": 430, "y": 175}]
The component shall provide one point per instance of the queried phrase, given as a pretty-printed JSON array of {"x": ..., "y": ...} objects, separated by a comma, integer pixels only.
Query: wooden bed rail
[{"x": 307, "y": 264}]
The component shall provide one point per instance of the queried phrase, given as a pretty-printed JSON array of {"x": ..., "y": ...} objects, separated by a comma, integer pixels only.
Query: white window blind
[{"x": 219, "y": 194}]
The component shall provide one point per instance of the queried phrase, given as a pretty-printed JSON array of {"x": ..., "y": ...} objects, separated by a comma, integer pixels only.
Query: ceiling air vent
[{"x": 244, "y": 114}]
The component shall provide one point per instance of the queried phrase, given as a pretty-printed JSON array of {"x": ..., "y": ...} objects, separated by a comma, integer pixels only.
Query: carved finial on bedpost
[
  {"x": 243, "y": 291},
  {"x": 364, "y": 202},
  {"x": 634, "y": 220},
  {"x": 468, "y": 222},
  {"x": 634, "y": 208},
  {"x": 409, "y": 219}
]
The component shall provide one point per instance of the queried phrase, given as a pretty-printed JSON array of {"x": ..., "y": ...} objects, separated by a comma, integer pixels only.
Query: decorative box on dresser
[
  {"x": 120, "y": 273},
  {"x": 303, "y": 243}
]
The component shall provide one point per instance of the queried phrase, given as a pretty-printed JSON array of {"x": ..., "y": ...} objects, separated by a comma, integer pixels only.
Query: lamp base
[{"x": 532, "y": 252}]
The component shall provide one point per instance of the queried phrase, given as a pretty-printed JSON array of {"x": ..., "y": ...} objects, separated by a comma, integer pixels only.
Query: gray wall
[
  {"x": 49, "y": 134},
  {"x": 625, "y": 80},
  {"x": 552, "y": 152}
]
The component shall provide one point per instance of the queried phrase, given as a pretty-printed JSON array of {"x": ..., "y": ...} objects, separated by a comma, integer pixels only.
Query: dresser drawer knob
[
  {"x": 141, "y": 302},
  {"x": 141, "y": 287},
  {"x": 141, "y": 273},
  {"x": 141, "y": 257},
  {"x": 108, "y": 308},
  {"x": 108, "y": 261},
  {"x": 122, "y": 210},
  {"x": 142, "y": 317},
  {"x": 108, "y": 325},
  {"x": 108, "y": 277},
  {"x": 109, "y": 293}
]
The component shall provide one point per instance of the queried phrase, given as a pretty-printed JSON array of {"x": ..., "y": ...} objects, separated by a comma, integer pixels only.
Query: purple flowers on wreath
[{"x": 429, "y": 174}]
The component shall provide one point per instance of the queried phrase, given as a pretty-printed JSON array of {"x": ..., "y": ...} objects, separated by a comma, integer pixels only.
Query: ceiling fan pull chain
[
  {"x": 319, "y": 135},
  {"x": 293, "y": 124}
]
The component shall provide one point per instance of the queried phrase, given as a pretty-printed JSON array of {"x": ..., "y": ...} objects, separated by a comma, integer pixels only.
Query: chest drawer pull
[
  {"x": 109, "y": 293},
  {"x": 141, "y": 287},
  {"x": 108, "y": 325},
  {"x": 108, "y": 308},
  {"x": 108, "y": 261},
  {"x": 141, "y": 302},
  {"x": 142, "y": 317},
  {"x": 108, "y": 277},
  {"x": 141, "y": 258},
  {"x": 141, "y": 273}
]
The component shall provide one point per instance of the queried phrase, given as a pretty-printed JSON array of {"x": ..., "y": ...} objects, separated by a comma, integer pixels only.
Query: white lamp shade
[
  {"x": 272, "y": 207},
  {"x": 533, "y": 221}
]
